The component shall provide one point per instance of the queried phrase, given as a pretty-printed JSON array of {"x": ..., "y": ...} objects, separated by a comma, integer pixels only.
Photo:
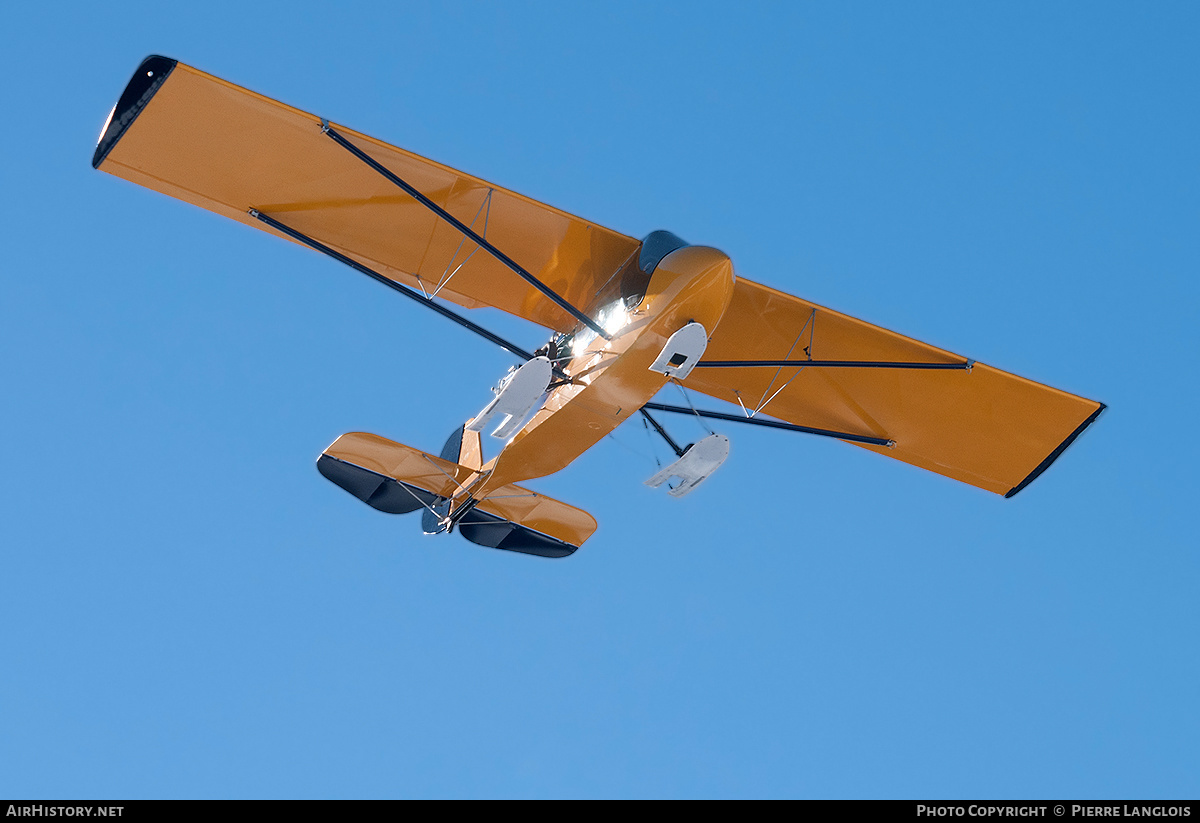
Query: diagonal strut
[{"x": 391, "y": 284}]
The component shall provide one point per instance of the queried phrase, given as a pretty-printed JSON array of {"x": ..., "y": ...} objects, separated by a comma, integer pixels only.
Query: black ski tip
[
  {"x": 485, "y": 529},
  {"x": 376, "y": 490}
]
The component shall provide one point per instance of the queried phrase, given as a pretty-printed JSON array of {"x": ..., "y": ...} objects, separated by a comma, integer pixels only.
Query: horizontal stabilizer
[
  {"x": 485, "y": 529},
  {"x": 397, "y": 479},
  {"x": 804, "y": 364},
  {"x": 204, "y": 140},
  {"x": 374, "y": 489}
]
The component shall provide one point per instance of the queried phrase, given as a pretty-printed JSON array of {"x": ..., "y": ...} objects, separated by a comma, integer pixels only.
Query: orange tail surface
[{"x": 398, "y": 479}]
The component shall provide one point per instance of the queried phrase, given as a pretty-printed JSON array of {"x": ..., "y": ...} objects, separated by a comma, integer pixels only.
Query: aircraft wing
[
  {"x": 961, "y": 419},
  {"x": 201, "y": 139}
]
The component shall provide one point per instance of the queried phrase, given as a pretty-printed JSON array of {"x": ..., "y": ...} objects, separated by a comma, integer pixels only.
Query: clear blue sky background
[{"x": 188, "y": 609}]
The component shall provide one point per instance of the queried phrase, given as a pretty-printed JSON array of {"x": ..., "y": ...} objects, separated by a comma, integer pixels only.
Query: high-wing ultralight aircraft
[{"x": 626, "y": 317}]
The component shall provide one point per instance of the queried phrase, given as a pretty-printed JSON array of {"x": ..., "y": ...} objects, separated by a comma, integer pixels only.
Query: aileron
[{"x": 228, "y": 149}]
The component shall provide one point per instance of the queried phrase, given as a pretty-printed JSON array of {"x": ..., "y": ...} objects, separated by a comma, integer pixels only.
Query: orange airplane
[{"x": 626, "y": 318}]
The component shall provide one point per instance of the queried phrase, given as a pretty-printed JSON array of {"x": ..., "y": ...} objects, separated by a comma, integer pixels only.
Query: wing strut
[
  {"x": 392, "y": 284},
  {"x": 465, "y": 229},
  {"x": 831, "y": 364},
  {"x": 773, "y": 424}
]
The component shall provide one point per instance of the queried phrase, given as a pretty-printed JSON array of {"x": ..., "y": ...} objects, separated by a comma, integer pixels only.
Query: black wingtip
[
  {"x": 1054, "y": 455},
  {"x": 146, "y": 81}
]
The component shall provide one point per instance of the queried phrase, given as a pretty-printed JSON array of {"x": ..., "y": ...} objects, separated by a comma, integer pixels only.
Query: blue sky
[{"x": 190, "y": 610}]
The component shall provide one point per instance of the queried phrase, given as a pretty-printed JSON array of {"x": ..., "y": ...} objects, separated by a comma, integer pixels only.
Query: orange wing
[
  {"x": 201, "y": 139},
  {"x": 980, "y": 425}
]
